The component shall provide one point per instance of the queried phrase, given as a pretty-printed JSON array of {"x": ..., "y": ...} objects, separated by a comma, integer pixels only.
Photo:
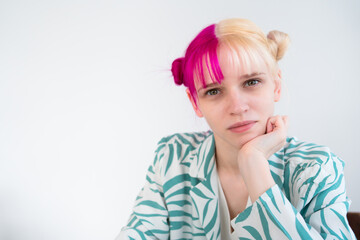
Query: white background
[{"x": 86, "y": 93}]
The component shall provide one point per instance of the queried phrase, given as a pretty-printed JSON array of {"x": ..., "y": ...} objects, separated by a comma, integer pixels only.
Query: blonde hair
[{"x": 248, "y": 42}]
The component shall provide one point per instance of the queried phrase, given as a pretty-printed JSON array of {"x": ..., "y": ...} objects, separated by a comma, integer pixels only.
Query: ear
[
  {"x": 196, "y": 108},
  {"x": 277, "y": 90}
]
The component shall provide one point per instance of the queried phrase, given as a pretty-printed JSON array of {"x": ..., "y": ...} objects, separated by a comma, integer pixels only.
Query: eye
[
  {"x": 251, "y": 82},
  {"x": 212, "y": 92}
]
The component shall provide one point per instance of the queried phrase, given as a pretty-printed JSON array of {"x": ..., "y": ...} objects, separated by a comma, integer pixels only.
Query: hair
[{"x": 246, "y": 42}]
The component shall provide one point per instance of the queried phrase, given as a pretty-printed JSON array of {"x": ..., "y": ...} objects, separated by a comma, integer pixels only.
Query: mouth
[{"x": 241, "y": 126}]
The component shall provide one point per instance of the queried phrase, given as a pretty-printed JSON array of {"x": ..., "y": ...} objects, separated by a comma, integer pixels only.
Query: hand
[
  {"x": 271, "y": 142},
  {"x": 253, "y": 156}
]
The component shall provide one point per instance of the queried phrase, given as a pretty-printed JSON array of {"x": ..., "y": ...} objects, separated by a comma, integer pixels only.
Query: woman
[{"x": 244, "y": 178}]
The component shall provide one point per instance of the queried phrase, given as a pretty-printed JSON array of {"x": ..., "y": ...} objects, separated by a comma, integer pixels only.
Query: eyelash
[
  {"x": 208, "y": 91},
  {"x": 252, "y": 80},
  {"x": 246, "y": 84}
]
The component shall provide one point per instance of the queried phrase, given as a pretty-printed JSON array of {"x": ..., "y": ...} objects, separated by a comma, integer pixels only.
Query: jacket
[{"x": 180, "y": 196}]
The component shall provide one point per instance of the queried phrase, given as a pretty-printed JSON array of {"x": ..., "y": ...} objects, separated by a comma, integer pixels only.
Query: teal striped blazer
[{"x": 180, "y": 196}]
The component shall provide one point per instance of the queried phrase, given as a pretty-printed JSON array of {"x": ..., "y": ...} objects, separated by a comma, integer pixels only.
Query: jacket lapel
[{"x": 204, "y": 194}]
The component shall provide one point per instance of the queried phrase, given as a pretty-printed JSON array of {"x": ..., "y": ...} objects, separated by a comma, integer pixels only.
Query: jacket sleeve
[
  {"x": 149, "y": 217},
  {"x": 316, "y": 210}
]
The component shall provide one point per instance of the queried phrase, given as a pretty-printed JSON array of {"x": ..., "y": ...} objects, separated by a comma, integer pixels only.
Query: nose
[{"x": 237, "y": 103}]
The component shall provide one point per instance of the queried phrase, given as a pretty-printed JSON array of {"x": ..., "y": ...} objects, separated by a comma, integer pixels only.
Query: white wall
[{"x": 86, "y": 92}]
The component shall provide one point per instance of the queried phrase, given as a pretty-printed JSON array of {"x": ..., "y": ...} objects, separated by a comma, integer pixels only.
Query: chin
[{"x": 237, "y": 140}]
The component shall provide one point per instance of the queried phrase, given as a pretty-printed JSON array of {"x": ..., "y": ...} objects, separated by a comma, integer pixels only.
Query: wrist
[
  {"x": 256, "y": 173},
  {"x": 251, "y": 162}
]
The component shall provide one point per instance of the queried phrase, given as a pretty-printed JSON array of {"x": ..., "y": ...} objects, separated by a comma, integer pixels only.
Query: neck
[{"x": 226, "y": 157}]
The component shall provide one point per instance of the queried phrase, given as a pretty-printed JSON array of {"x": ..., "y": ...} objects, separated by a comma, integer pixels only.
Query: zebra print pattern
[{"x": 180, "y": 196}]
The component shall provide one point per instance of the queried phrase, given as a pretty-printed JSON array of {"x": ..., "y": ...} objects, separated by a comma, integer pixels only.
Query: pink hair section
[{"x": 201, "y": 52}]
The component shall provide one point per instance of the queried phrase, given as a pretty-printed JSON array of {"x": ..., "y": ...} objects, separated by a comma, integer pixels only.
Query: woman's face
[{"x": 237, "y": 110}]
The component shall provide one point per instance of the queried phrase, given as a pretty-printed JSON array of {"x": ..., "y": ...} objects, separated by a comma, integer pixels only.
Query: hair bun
[
  {"x": 278, "y": 42},
  {"x": 177, "y": 71}
]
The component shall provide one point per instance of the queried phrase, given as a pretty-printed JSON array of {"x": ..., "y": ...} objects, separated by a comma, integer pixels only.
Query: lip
[{"x": 241, "y": 126}]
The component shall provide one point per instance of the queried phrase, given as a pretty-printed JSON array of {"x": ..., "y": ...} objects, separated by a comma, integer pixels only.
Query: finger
[
  {"x": 277, "y": 122},
  {"x": 269, "y": 126},
  {"x": 273, "y": 123}
]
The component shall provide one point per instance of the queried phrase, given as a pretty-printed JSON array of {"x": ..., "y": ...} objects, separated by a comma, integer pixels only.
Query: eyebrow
[
  {"x": 209, "y": 86},
  {"x": 251, "y": 75},
  {"x": 245, "y": 76}
]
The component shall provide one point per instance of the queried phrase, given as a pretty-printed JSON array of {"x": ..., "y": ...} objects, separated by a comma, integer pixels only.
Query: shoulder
[
  {"x": 307, "y": 155},
  {"x": 301, "y": 164},
  {"x": 181, "y": 143},
  {"x": 175, "y": 152},
  {"x": 192, "y": 139},
  {"x": 310, "y": 166},
  {"x": 310, "y": 169}
]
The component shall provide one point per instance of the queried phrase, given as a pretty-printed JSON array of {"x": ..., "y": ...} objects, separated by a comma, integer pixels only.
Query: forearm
[{"x": 272, "y": 215}]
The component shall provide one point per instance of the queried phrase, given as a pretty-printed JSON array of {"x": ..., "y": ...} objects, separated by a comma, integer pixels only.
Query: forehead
[
  {"x": 234, "y": 62},
  {"x": 240, "y": 61}
]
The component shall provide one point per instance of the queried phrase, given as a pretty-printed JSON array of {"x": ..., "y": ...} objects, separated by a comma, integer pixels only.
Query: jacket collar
[
  {"x": 205, "y": 193},
  {"x": 203, "y": 161}
]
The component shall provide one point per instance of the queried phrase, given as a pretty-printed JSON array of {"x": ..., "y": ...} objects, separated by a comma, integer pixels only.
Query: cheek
[
  {"x": 213, "y": 116},
  {"x": 269, "y": 109},
  {"x": 263, "y": 105}
]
